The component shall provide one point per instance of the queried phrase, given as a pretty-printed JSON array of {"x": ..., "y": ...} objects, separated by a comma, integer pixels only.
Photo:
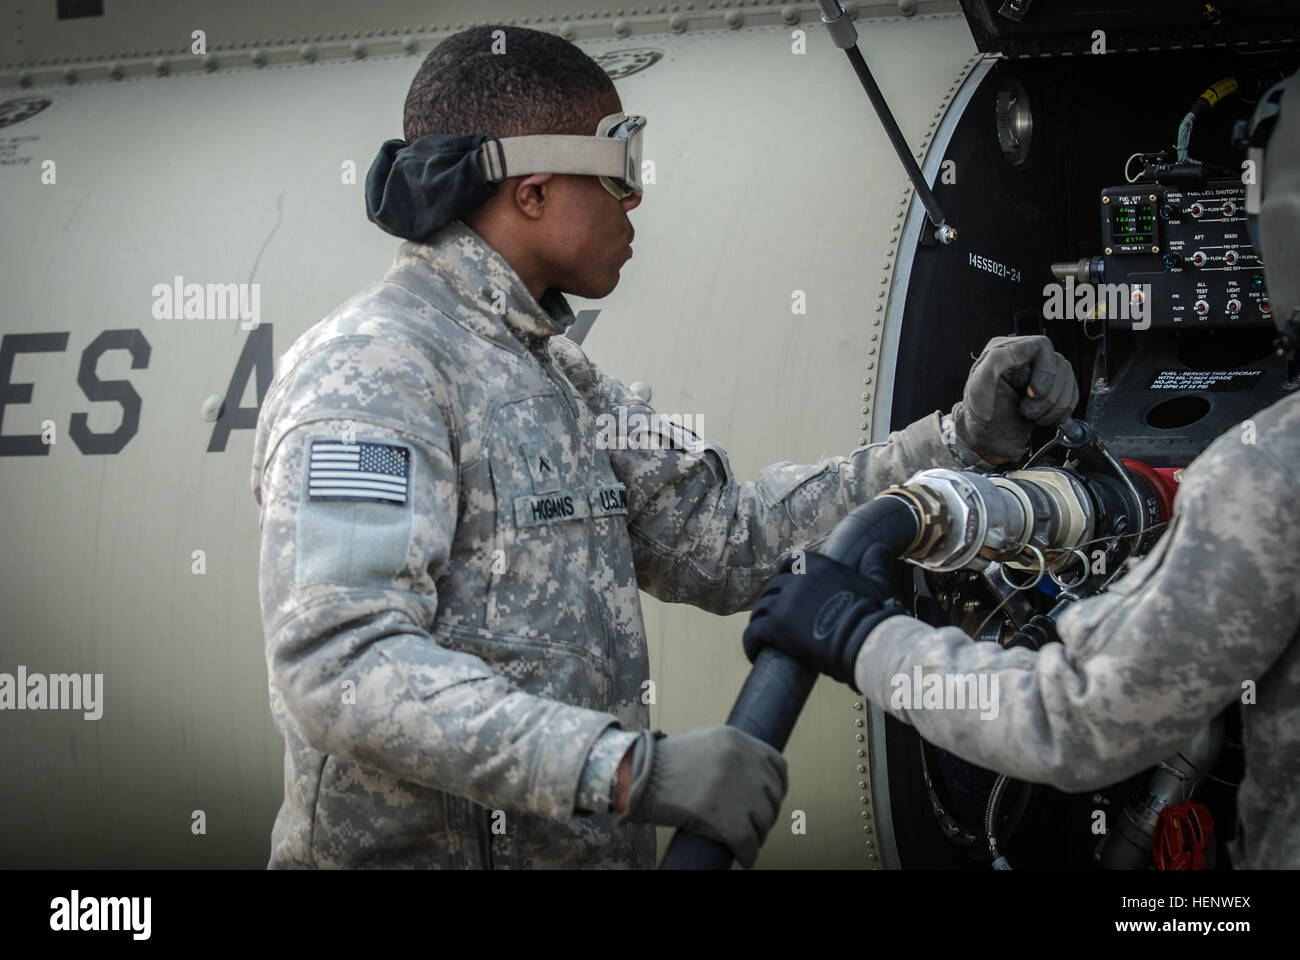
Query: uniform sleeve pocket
[{"x": 344, "y": 538}]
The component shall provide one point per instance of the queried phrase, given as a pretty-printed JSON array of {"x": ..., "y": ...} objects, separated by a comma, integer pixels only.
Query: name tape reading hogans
[
  {"x": 358, "y": 471},
  {"x": 599, "y": 501}
]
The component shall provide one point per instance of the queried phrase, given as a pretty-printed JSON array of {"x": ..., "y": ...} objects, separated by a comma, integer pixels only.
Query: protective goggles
[{"x": 613, "y": 154}]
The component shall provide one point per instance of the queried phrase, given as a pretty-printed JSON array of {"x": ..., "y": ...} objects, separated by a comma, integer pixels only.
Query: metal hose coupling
[{"x": 968, "y": 520}]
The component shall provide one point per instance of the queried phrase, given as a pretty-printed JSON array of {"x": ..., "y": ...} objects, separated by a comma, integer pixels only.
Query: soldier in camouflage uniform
[
  {"x": 451, "y": 560},
  {"x": 1143, "y": 667}
]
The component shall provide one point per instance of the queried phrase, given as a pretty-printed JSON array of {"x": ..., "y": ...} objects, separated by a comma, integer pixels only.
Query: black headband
[{"x": 414, "y": 190}]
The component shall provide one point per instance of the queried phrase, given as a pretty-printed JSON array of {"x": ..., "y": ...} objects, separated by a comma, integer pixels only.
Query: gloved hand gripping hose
[{"x": 769, "y": 703}]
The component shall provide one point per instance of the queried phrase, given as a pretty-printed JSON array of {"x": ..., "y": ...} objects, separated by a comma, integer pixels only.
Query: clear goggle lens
[{"x": 627, "y": 128}]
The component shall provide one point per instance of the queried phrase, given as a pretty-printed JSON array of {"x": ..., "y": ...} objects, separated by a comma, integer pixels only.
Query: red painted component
[
  {"x": 1170, "y": 474},
  {"x": 1161, "y": 482},
  {"x": 1183, "y": 835}
]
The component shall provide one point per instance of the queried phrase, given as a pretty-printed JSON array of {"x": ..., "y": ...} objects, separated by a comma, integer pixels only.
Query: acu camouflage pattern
[
  {"x": 1143, "y": 667},
  {"x": 481, "y": 685}
]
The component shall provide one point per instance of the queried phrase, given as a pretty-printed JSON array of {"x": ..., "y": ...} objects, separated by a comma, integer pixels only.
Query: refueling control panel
[{"x": 1192, "y": 247}]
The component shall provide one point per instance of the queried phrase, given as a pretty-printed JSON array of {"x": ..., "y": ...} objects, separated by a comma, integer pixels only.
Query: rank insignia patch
[{"x": 543, "y": 461}]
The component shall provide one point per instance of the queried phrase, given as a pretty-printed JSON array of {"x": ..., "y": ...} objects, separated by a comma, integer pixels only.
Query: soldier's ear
[{"x": 530, "y": 196}]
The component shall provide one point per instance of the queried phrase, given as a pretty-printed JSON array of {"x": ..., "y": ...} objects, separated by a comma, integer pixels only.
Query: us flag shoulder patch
[{"x": 358, "y": 471}]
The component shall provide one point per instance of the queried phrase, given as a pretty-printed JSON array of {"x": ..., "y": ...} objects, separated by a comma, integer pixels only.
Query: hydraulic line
[{"x": 1000, "y": 862}]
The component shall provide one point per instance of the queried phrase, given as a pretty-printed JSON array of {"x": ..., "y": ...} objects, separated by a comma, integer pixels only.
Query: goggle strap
[{"x": 552, "y": 153}]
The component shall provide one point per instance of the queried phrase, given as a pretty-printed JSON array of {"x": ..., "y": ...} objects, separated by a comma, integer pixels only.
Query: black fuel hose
[{"x": 777, "y": 687}]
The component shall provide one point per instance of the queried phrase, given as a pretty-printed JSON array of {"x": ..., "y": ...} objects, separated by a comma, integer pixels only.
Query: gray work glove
[
  {"x": 1016, "y": 383},
  {"x": 717, "y": 782}
]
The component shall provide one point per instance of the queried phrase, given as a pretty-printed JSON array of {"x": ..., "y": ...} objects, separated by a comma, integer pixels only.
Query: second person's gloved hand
[
  {"x": 822, "y": 616},
  {"x": 1016, "y": 384},
  {"x": 717, "y": 782}
]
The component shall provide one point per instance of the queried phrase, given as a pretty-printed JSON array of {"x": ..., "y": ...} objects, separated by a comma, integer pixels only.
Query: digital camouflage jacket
[{"x": 450, "y": 563}]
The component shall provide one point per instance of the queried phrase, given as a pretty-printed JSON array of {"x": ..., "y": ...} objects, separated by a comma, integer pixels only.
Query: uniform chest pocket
[{"x": 540, "y": 583}]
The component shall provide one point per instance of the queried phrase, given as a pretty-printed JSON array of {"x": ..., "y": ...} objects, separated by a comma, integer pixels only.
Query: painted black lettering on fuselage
[
  {"x": 12, "y": 344},
  {"x": 116, "y": 391},
  {"x": 256, "y": 358}
]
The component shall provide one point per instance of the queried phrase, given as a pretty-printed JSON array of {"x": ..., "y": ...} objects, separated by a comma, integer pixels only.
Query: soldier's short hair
[{"x": 541, "y": 83}]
